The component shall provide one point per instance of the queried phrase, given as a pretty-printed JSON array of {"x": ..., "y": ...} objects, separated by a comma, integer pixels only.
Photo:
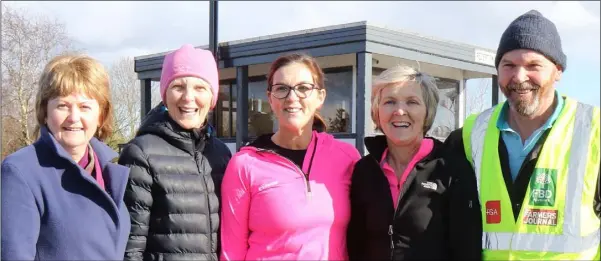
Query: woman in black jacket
[
  {"x": 404, "y": 204},
  {"x": 177, "y": 165}
]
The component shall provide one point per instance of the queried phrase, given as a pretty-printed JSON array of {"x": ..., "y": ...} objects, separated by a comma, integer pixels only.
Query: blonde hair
[
  {"x": 68, "y": 74},
  {"x": 395, "y": 77}
]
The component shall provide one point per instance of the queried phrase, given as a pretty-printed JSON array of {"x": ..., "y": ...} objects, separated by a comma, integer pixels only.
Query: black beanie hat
[{"x": 535, "y": 32}]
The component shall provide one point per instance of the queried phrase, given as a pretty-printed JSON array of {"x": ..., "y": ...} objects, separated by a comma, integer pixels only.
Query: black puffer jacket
[{"x": 174, "y": 190}]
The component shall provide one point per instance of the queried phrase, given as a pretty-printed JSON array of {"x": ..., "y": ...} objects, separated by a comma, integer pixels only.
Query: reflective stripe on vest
[
  {"x": 583, "y": 152},
  {"x": 477, "y": 138}
]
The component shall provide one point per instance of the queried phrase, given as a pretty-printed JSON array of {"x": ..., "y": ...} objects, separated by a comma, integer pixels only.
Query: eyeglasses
[{"x": 281, "y": 91}]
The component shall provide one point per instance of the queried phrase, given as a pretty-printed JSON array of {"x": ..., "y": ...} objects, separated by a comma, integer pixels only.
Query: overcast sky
[{"x": 109, "y": 30}]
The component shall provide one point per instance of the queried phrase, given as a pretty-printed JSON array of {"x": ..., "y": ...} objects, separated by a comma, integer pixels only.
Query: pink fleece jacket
[{"x": 271, "y": 211}]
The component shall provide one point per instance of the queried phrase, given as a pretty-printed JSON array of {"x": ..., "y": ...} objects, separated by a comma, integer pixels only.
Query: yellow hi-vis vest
[{"x": 557, "y": 220}]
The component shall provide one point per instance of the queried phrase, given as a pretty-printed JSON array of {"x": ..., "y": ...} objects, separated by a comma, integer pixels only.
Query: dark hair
[{"x": 318, "y": 78}]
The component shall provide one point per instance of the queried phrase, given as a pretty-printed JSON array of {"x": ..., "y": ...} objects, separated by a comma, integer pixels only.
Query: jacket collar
[
  {"x": 376, "y": 146},
  {"x": 105, "y": 153},
  {"x": 319, "y": 141},
  {"x": 317, "y": 138},
  {"x": 159, "y": 123},
  {"x": 115, "y": 175}
]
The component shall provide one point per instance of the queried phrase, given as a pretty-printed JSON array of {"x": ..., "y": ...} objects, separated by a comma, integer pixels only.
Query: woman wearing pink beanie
[{"x": 177, "y": 165}]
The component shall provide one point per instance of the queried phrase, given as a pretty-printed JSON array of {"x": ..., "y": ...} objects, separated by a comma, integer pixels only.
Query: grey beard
[{"x": 525, "y": 108}]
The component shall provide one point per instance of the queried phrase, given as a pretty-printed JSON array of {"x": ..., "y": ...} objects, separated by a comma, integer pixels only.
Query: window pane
[
  {"x": 260, "y": 119},
  {"x": 337, "y": 108},
  {"x": 223, "y": 110},
  {"x": 446, "y": 112},
  {"x": 233, "y": 108}
]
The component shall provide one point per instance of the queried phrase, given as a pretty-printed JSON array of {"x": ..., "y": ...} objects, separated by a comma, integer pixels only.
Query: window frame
[
  {"x": 214, "y": 120},
  {"x": 231, "y": 82}
]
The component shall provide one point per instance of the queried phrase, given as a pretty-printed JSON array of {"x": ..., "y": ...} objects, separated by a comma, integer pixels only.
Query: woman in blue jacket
[{"x": 62, "y": 197}]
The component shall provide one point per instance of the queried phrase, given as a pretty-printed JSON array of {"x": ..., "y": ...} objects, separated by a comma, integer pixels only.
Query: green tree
[{"x": 340, "y": 123}]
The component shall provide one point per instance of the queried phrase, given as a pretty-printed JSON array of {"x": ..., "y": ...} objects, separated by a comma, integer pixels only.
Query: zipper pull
[
  {"x": 309, "y": 194},
  {"x": 470, "y": 204},
  {"x": 390, "y": 232}
]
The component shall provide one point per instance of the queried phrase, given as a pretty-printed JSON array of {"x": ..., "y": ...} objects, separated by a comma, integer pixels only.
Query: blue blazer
[{"x": 52, "y": 209}]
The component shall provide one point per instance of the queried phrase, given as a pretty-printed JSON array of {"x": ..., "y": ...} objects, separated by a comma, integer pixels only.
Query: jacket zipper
[
  {"x": 206, "y": 197},
  {"x": 407, "y": 182},
  {"x": 391, "y": 226},
  {"x": 390, "y": 233},
  {"x": 300, "y": 171}
]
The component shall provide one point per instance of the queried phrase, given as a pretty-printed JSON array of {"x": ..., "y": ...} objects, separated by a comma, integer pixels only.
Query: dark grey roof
[{"x": 339, "y": 39}]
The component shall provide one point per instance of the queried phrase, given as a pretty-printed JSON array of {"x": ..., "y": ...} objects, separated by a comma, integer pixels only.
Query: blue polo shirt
[{"x": 517, "y": 151}]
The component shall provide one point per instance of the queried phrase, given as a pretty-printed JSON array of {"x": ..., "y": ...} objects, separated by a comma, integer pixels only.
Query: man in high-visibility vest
[{"x": 534, "y": 159}]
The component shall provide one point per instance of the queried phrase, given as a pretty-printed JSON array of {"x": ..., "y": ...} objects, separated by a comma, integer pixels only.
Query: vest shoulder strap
[
  {"x": 477, "y": 121},
  {"x": 468, "y": 125}
]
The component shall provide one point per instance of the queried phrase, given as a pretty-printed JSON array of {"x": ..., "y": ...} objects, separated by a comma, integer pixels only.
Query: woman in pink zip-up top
[{"x": 286, "y": 195}]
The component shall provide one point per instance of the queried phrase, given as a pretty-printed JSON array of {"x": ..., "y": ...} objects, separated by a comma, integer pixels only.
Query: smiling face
[
  {"x": 73, "y": 120},
  {"x": 294, "y": 112},
  {"x": 188, "y": 101},
  {"x": 402, "y": 113},
  {"x": 527, "y": 80}
]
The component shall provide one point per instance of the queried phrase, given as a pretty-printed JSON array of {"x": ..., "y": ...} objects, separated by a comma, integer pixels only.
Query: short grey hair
[{"x": 395, "y": 77}]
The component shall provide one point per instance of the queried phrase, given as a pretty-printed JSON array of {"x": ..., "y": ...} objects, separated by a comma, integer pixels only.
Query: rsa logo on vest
[{"x": 493, "y": 212}]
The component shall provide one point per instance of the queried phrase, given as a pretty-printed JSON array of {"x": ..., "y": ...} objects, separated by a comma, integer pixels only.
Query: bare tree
[
  {"x": 125, "y": 89},
  {"x": 444, "y": 122},
  {"x": 477, "y": 101},
  {"x": 28, "y": 43}
]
